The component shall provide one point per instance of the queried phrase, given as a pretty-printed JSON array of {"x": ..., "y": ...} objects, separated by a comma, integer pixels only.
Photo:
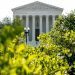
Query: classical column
[
  {"x": 27, "y": 25},
  {"x": 40, "y": 24},
  {"x": 33, "y": 28},
  {"x": 53, "y": 19},
  {"x": 27, "y": 21},
  {"x": 47, "y": 23}
]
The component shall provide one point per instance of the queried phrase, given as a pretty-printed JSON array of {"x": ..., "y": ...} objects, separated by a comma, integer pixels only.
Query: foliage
[
  {"x": 16, "y": 58},
  {"x": 17, "y": 24},
  {"x": 10, "y": 31},
  {"x": 63, "y": 34},
  {"x": 53, "y": 56},
  {"x": 58, "y": 63},
  {"x": 66, "y": 22},
  {"x": 6, "y": 21}
]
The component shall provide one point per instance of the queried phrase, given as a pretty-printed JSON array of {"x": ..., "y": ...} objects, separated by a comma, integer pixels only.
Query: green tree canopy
[{"x": 63, "y": 34}]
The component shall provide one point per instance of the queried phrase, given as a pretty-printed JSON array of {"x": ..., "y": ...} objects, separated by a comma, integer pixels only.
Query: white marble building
[{"x": 38, "y": 16}]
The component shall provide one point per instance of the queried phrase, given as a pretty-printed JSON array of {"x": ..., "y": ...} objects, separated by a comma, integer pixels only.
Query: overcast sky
[{"x": 7, "y": 5}]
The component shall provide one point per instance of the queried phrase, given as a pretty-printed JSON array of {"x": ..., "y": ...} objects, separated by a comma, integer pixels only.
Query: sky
[{"x": 7, "y": 5}]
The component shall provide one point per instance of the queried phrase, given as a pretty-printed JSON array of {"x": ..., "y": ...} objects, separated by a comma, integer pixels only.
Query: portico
[{"x": 39, "y": 17}]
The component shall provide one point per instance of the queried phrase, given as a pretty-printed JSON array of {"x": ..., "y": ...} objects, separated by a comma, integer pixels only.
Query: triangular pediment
[{"x": 37, "y": 6}]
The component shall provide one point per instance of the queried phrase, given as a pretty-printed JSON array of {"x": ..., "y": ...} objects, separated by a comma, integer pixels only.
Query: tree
[
  {"x": 17, "y": 24},
  {"x": 9, "y": 41},
  {"x": 17, "y": 58},
  {"x": 69, "y": 21},
  {"x": 6, "y": 21},
  {"x": 63, "y": 33},
  {"x": 11, "y": 31},
  {"x": 1, "y": 25},
  {"x": 57, "y": 62}
]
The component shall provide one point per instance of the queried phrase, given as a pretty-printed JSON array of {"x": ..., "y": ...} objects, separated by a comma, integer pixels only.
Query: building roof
[{"x": 37, "y": 5}]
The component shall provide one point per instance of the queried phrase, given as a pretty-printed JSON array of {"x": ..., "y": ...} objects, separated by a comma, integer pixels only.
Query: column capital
[
  {"x": 53, "y": 15},
  {"x": 33, "y": 15},
  {"x": 47, "y": 15},
  {"x": 27, "y": 15},
  {"x": 41, "y": 15}
]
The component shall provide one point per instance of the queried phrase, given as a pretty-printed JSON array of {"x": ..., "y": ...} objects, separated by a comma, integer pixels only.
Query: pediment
[{"x": 37, "y": 6}]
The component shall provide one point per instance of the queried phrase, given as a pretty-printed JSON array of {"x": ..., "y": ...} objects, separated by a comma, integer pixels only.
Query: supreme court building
[{"x": 38, "y": 16}]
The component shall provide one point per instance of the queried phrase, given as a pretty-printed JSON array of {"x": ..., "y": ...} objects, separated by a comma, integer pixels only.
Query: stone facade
[{"x": 38, "y": 16}]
